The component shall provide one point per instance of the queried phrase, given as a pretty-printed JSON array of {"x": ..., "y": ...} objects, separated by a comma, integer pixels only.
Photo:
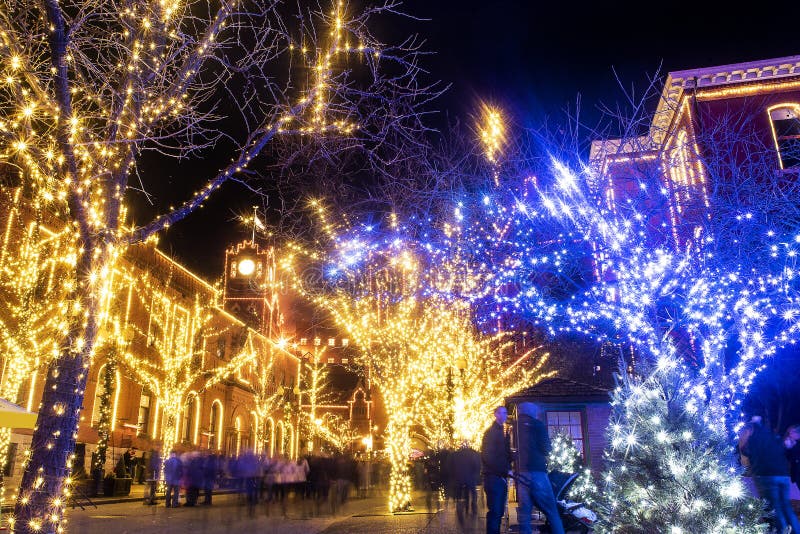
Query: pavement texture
[{"x": 229, "y": 515}]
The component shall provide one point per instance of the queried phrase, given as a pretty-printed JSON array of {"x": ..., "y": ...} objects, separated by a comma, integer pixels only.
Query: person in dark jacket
[
  {"x": 770, "y": 469},
  {"x": 173, "y": 471},
  {"x": 792, "y": 444},
  {"x": 210, "y": 470},
  {"x": 534, "y": 487},
  {"x": 466, "y": 471},
  {"x": 495, "y": 466}
]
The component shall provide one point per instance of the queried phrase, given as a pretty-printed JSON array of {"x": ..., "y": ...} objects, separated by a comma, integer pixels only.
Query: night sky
[{"x": 533, "y": 59}]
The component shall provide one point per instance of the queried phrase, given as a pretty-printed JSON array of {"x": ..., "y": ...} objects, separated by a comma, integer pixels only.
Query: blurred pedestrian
[
  {"x": 534, "y": 487},
  {"x": 792, "y": 444},
  {"x": 210, "y": 471},
  {"x": 770, "y": 469},
  {"x": 495, "y": 466},
  {"x": 173, "y": 472},
  {"x": 466, "y": 472},
  {"x": 193, "y": 471}
]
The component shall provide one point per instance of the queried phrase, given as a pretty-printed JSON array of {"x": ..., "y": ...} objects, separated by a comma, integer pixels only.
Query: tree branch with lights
[{"x": 94, "y": 89}]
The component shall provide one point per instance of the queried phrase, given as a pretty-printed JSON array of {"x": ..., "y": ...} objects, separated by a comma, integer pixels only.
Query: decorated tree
[
  {"x": 34, "y": 278},
  {"x": 96, "y": 92},
  {"x": 566, "y": 458},
  {"x": 478, "y": 374},
  {"x": 267, "y": 395},
  {"x": 406, "y": 306},
  {"x": 668, "y": 468},
  {"x": 173, "y": 364},
  {"x": 315, "y": 389}
]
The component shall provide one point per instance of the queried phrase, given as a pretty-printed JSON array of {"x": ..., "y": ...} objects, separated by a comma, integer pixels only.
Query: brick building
[
  {"x": 722, "y": 140},
  {"x": 166, "y": 306}
]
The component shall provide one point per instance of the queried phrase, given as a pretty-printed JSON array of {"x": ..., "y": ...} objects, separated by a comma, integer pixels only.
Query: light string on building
[{"x": 88, "y": 91}]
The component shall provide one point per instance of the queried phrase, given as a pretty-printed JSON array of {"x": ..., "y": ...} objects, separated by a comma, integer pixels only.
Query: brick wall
[{"x": 596, "y": 423}]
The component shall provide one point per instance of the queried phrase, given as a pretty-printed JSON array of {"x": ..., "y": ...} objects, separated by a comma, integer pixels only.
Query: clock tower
[{"x": 250, "y": 290}]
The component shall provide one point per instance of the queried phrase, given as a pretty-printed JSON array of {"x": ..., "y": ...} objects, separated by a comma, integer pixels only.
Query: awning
[{"x": 13, "y": 416}]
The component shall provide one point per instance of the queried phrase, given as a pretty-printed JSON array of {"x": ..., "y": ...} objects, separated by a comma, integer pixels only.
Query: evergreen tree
[
  {"x": 666, "y": 461},
  {"x": 564, "y": 457}
]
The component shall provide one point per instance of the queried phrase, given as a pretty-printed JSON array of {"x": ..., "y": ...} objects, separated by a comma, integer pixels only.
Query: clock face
[{"x": 247, "y": 267}]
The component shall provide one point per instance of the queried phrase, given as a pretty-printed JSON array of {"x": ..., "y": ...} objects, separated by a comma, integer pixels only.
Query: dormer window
[{"x": 785, "y": 121}]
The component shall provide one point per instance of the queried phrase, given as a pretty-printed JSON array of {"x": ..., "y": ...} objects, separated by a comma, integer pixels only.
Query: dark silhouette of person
[
  {"x": 173, "y": 471},
  {"x": 495, "y": 467},
  {"x": 210, "y": 470},
  {"x": 770, "y": 469},
  {"x": 534, "y": 487},
  {"x": 466, "y": 472}
]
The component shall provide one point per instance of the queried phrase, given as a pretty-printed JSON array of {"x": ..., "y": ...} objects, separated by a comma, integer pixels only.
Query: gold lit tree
[
  {"x": 407, "y": 309},
  {"x": 173, "y": 365},
  {"x": 477, "y": 375},
  {"x": 267, "y": 395},
  {"x": 394, "y": 336},
  {"x": 330, "y": 428},
  {"x": 34, "y": 278},
  {"x": 91, "y": 88}
]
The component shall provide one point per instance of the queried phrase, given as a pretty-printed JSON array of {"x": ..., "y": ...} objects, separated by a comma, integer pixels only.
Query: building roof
[
  {"x": 559, "y": 389},
  {"x": 722, "y": 75},
  {"x": 678, "y": 83}
]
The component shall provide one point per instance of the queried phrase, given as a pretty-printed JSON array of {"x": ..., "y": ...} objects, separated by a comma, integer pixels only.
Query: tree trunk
[
  {"x": 398, "y": 434},
  {"x": 42, "y": 498},
  {"x": 41, "y": 501}
]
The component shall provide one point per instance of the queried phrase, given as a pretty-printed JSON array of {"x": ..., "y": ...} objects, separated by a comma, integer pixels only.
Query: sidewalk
[{"x": 226, "y": 515}]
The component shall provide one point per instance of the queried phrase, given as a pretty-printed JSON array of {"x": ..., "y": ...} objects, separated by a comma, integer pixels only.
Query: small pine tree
[
  {"x": 667, "y": 468},
  {"x": 564, "y": 457}
]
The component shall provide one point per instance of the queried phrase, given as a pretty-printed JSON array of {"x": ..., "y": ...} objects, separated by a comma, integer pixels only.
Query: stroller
[{"x": 575, "y": 516}]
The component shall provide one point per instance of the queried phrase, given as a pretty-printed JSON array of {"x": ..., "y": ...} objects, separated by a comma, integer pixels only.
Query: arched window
[
  {"x": 191, "y": 412},
  {"x": 238, "y": 426},
  {"x": 215, "y": 426},
  {"x": 279, "y": 438},
  {"x": 269, "y": 433},
  {"x": 785, "y": 120}
]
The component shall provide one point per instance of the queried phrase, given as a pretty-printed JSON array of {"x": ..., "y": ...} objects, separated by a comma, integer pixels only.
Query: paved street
[{"x": 227, "y": 515}]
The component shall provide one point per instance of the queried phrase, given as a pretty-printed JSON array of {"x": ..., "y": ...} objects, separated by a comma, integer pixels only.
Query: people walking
[
  {"x": 495, "y": 467},
  {"x": 466, "y": 472},
  {"x": 792, "y": 444},
  {"x": 173, "y": 472},
  {"x": 770, "y": 469},
  {"x": 534, "y": 486}
]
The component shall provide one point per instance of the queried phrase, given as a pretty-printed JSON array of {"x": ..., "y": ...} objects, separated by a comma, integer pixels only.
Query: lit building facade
[
  {"x": 168, "y": 312},
  {"x": 721, "y": 138}
]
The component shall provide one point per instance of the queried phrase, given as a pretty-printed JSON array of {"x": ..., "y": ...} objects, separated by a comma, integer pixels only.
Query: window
[
  {"x": 213, "y": 438},
  {"x": 317, "y": 341},
  {"x": 786, "y": 130},
  {"x": 11, "y": 458},
  {"x": 221, "y": 342},
  {"x": 345, "y": 342},
  {"x": 345, "y": 360},
  {"x": 143, "y": 419},
  {"x": 304, "y": 341},
  {"x": 569, "y": 423},
  {"x": 331, "y": 360},
  {"x": 189, "y": 413},
  {"x": 331, "y": 342}
]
